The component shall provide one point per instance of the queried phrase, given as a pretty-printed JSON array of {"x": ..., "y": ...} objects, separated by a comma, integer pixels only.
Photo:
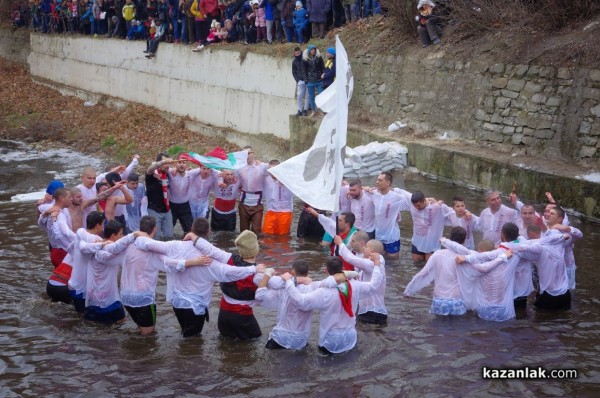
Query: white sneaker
[{"x": 199, "y": 48}]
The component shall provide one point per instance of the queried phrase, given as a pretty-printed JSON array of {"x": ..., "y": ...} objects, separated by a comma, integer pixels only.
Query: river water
[{"x": 47, "y": 350}]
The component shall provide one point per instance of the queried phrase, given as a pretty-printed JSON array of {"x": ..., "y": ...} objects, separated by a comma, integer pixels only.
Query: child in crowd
[
  {"x": 300, "y": 22},
  {"x": 462, "y": 218},
  {"x": 214, "y": 35},
  {"x": 136, "y": 31},
  {"x": 232, "y": 33},
  {"x": 429, "y": 28},
  {"x": 135, "y": 210},
  {"x": 128, "y": 14},
  {"x": 159, "y": 35},
  {"x": 260, "y": 22}
]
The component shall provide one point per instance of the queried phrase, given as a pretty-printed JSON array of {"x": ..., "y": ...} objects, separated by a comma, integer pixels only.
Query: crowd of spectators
[{"x": 198, "y": 22}]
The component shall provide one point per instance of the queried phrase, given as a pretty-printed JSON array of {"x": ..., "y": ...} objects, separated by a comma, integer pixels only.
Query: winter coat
[
  {"x": 329, "y": 72},
  {"x": 277, "y": 6},
  {"x": 209, "y": 7},
  {"x": 129, "y": 12},
  {"x": 318, "y": 10},
  {"x": 197, "y": 12},
  {"x": 268, "y": 9},
  {"x": 287, "y": 13},
  {"x": 313, "y": 67},
  {"x": 298, "y": 69},
  {"x": 300, "y": 19}
]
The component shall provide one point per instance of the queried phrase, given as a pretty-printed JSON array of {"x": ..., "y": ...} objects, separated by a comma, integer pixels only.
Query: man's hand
[
  {"x": 508, "y": 253},
  {"x": 337, "y": 240},
  {"x": 119, "y": 169},
  {"x": 260, "y": 268},
  {"x": 200, "y": 260},
  {"x": 121, "y": 184},
  {"x": 190, "y": 236},
  {"x": 375, "y": 258},
  {"x": 312, "y": 211},
  {"x": 287, "y": 276},
  {"x": 468, "y": 215},
  {"x": 460, "y": 259},
  {"x": 550, "y": 197},
  {"x": 136, "y": 157},
  {"x": 269, "y": 272},
  {"x": 222, "y": 185}
]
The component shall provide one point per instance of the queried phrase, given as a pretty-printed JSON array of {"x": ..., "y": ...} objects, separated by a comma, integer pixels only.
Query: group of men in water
[{"x": 111, "y": 224}]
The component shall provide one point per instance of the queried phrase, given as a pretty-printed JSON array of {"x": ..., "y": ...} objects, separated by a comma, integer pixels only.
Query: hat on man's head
[
  {"x": 298, "y": 3},
  {"x": 331, "y": 51},
  {"x": 247, "y": 244},
  {"x": 53, "y": 186}
]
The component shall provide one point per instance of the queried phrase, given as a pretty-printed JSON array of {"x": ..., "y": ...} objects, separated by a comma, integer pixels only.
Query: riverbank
[{"x": 44, "y": 117}]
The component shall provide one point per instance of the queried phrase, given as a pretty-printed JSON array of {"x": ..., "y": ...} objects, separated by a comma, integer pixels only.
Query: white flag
[{"x": 315, "y": 176}]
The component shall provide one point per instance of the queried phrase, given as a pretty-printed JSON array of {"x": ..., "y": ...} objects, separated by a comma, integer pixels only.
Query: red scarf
[
  {"x": 346, "y": 297},
  {"x": 164, "y": 182}
]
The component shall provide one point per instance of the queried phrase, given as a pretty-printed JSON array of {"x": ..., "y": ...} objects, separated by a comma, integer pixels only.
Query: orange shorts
[{"x": 277, "y": 223}]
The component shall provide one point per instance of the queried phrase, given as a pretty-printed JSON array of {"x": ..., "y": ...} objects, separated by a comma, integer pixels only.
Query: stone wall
[{"x": 554, "y": 111}]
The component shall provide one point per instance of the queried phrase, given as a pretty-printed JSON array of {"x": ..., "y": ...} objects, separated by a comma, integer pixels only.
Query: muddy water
[{"x": 47, "y": 350}]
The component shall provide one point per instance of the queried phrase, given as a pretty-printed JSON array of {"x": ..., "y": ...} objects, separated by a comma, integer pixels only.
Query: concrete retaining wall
[
  {"x": 215, "y": 87},
  {"x": 14, "y": 45}
]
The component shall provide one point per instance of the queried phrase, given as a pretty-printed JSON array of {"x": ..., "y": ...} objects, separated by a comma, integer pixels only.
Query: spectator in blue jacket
[{"x": 300, "y": 22}]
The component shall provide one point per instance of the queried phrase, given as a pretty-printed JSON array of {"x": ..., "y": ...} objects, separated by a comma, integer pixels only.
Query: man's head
[
  {"x": 330, "y": 53},
  {"x": 375, "y": 246},
  {"x": 299, "y": 268},
  {"x": 133, "y": 181},
  {"x": 458, "y": 235},
  {"x": 312, "y": 50},
  {"x": 95, "y": 222},
  {"x": 493, "y": 199},
  {"x": 510, "y": 232},
  {"x": 534, "y": 231},
  {"x": 148, "y": 225},
  {"x": 556, "y": 215},
  {"x": 160, "y": 157},
  {"x": 251, "y": 156},
  {"x": 334, "y": 265},
  {"x": 62, "y": 197},
  {"x": 346, "y": 221},
  {"x": 76, "y": 196},
  {"x": 201, "y": 227},
  {"x": 297, "y": 51},
  {"x": 228, "y": 176},
  {"x": 101, "y": 186},
  {"x": 358, "y": 241},
  {"x": 384, "y": 182},
  {"x": 113, "y": 178},
  {"x": 181, "y": 165},
  {"x": 528, "y": 214},
  {"x": 547, "y": 209},
  {"x": 485, "y": 246},
  {"x": 418, "y": 200},
  {"x": 88, "y": 177},
  {"x": 458, "y": 205},
  {"x": 204, "y": 171},
  {"x": 113, "y": 230},
  {"x": 247, "y": 244},
  {"x": 355, "y": 189}
]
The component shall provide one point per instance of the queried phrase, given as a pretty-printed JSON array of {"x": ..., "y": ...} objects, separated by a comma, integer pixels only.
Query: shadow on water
[{"x": 48, "y": 350}]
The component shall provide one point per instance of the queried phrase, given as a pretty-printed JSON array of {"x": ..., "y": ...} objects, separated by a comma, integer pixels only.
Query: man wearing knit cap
[{"x": 236, "y": 318}]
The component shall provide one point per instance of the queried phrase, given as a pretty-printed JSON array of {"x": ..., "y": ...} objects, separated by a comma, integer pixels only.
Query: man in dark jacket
[
  {"x": 313, "y": 70},
  {"x": 318, "y": 10},
  {"x": 300, "y": 77}
]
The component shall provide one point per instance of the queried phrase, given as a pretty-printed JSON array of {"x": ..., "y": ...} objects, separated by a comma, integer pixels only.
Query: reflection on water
[{"x": 47, "y": 350}]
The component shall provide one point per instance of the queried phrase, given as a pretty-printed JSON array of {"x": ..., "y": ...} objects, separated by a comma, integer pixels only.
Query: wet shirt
[
  {"x": 363, "y": 209},
  {"x": 179, "y": 184},
  {"x": 428, "y": 226},
  {"x": 491, "y": 223},
  {"x": 387, "y": 212},
  {"x": 278, "y": 198}
]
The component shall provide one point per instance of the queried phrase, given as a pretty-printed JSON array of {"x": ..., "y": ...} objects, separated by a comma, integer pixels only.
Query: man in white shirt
[
  {"x": 250, "y": 208},
  {"x": 280, "y": 203},
  {"x": 494, "y": 217},
  {"x": 361, "y": 205},
  {"x": 337, "y": 305}
]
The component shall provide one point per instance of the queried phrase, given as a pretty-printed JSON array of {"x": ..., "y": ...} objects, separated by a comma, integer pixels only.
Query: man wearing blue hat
[{"x": 328, "y": 75}]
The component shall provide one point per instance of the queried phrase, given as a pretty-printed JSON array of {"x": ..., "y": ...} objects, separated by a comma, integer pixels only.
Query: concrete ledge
[{"x": 477, "y": 169}]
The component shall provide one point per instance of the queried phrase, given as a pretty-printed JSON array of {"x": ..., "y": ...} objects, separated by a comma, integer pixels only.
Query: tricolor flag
[
  {"x": 315, "y": 176},
  {"x": 218, "y": 159}
]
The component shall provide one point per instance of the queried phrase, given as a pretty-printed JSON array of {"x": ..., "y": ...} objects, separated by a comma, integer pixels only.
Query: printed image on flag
[{"x": 315, "y": 176}]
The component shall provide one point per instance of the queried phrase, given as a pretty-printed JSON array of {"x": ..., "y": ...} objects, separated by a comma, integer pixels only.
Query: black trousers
[
  {"x": 191, "y": 324},
  {"x": 548, "y": 302},
  {"x": 238, "y": 326},
  {"x": 183, "y": 213}
]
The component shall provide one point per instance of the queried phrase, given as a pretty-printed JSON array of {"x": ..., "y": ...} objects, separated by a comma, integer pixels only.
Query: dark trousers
[
  {"x": 59, "y": 293},
  {"x": 373, "y": 318},
  {"x": 183, "y": 213},
  {"x": 191, "y": 324},
  {"x": 548, "y": 302},
  {"x": 429, "y": 32},
  {"x": 238, "y": 326},
  {"x": 250, "y": 217}
]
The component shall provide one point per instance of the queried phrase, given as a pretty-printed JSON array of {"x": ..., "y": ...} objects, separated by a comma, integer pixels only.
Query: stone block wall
[{"x": 554, "y": 111}]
